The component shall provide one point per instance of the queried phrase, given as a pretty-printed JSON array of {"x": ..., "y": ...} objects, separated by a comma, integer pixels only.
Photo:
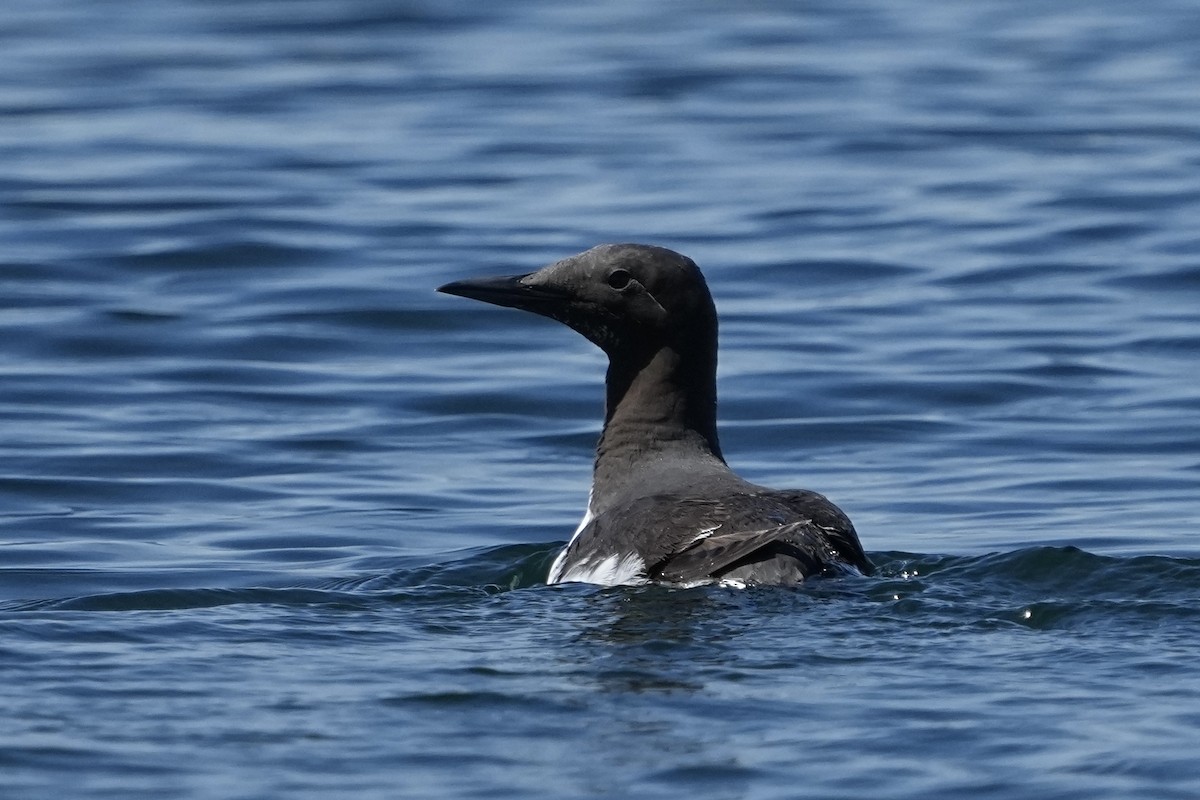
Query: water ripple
[{"x": 261, "y": 485}]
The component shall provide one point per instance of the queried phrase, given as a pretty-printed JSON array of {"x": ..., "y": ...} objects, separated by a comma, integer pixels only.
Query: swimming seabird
[{"x": 664, "y": 506}]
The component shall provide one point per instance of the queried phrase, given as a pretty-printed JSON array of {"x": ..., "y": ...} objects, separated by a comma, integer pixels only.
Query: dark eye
[{"x": 618, "y": 279}]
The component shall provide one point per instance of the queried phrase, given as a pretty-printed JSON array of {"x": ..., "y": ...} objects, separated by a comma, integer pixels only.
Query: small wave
[
  {"x": 1037, "y": 587},
  {"x": 480, "y": 571},
  {"x": 1065, "y": 570},
  {"x": 502, "y": 568}
]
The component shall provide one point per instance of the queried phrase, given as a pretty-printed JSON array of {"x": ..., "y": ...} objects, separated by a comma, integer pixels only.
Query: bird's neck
[{"x": 663, "y": 405}]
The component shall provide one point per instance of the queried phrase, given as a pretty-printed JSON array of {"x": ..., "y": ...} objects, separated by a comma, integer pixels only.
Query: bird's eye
[{"x": 618, "y": 279}]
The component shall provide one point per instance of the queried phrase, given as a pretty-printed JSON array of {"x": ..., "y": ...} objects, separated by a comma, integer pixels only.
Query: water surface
[{"x": 275, "y": 517}]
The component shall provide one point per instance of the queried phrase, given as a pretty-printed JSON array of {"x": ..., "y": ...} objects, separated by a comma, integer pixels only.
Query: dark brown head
[{"x": 625, "y": 298}]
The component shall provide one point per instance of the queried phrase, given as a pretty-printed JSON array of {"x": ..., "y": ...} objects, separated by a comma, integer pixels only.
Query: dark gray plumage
[{"x": 664, "y": 505}]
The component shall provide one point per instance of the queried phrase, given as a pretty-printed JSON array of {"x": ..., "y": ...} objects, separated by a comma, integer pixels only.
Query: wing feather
[{"x": 708, "y": 556}]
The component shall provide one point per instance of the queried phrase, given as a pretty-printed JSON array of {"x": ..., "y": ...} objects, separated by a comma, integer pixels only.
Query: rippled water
[{"x": 274, "y": 517}]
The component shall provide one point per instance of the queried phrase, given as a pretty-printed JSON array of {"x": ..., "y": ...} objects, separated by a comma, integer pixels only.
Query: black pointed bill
[{"x": 511, "y": 291}]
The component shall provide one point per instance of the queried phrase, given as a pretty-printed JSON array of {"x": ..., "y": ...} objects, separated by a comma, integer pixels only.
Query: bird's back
[{"x": 742, "y": 535}]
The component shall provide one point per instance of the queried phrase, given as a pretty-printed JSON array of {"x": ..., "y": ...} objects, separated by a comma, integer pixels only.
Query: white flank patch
[
  {"x": 588, "y": 516},
  {"x": 556, "y": 575},
  {"x": 614, "y": 570}
]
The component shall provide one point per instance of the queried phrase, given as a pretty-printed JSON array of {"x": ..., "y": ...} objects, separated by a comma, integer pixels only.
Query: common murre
[{"x": 664, "y": 506}]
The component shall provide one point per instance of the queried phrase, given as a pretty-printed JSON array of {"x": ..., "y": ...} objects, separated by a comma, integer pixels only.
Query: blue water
[{"x": 275, "y": 517}]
